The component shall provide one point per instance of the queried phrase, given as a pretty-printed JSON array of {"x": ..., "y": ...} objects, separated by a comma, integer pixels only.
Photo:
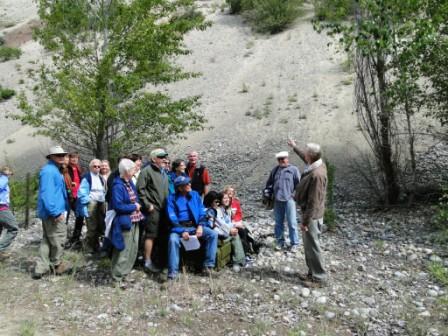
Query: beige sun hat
[
  {"x": 281, "y": 155},
  {"x": 5, "y": 170},
  {"x": 55, "y": 150}
]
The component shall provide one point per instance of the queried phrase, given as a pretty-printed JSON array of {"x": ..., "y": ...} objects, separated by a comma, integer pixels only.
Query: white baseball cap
[{"x": 283, "y": 154}]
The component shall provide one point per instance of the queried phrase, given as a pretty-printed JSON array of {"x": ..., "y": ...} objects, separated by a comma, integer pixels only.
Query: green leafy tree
[
  {"x": 100, "y": 94},
  {"x": 389, "y": 39}
]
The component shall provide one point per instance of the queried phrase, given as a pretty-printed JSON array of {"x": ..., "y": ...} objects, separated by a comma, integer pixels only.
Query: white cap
[{"x": 283, "y": 154}]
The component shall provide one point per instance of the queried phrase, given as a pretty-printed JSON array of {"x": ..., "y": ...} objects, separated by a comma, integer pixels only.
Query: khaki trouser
[
  {"x": 52, "y": 244},
  {"x": 238, "y": 256},
  {"x": 95, "y": 225},
  {"x": 123, "y": 261},
  {"x": 313, "y": 252}
]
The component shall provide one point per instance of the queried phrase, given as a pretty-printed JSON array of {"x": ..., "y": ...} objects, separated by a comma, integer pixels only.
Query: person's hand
[
  {"x": 291, "y": 142},
  {"x": 199, "y": 231},
  {"x": 233, "y": 231},
  {"x": 138, "y": 206},
  {"x": 60, "y": 218},
  {"x": 304, "y": 228},
  {"x": 185, "y": 235},
  {"x": 151, "y": 208}
]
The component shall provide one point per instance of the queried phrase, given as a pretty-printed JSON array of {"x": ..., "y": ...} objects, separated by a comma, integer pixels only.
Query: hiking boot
[
  {"x": 208, "y": 272},
  {"x": 63, "y": 268},
  {"x": 314, "y": 284},
  {"x": 37, "y": 276}
]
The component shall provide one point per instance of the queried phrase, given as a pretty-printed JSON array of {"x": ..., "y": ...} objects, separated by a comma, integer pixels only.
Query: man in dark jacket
[
  {"x": 310, "y": 195},
  {"x": 153, "y": 189},
  {"x": 187, "y": 216},
  {"x": 199, "y": 174}
]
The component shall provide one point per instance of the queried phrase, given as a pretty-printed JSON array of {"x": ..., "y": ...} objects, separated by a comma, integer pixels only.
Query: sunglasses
[
  {"x": 96, "y": 166},
  {"x": 60, "y": 155}
]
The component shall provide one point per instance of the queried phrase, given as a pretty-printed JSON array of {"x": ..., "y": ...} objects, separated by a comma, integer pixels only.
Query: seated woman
[
  {"x": 125, "y": 230},
  {"x": 177, "y": 169},
  {"x": 219, "y": 217},
  {"x": 187, "y": 216},
  {"x": 249, "y": 244}
]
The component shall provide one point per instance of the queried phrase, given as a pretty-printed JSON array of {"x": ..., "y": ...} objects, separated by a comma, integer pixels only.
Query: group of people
[{"x": 153, "y": 209}]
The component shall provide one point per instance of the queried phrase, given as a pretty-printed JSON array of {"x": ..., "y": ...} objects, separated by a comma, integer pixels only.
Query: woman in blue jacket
[{"x": 125, "y": 230}]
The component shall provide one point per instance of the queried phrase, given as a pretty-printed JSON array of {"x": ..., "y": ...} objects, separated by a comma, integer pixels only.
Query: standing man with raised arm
[
  {"x": 52, "y": 208},
  {"x": 310, "y": 195},
  {"x": 199, "y": 174}
]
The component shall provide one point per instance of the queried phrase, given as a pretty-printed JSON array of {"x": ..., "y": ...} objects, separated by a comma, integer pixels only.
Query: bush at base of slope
[
  {"x": 8, "y": 53},
  {"x": 6, "y": 93}
]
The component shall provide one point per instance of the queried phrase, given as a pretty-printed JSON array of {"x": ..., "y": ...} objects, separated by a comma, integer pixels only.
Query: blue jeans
[
  {"x": 280, "y": 210},
  {"x": 209, "y": 237}
]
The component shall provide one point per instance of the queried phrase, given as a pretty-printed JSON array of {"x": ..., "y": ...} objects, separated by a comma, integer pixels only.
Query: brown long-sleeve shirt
[{"x": 311, "y": 192}]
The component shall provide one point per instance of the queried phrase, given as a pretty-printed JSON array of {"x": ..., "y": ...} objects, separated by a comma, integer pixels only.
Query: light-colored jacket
[{"x": 4, "y": 190}]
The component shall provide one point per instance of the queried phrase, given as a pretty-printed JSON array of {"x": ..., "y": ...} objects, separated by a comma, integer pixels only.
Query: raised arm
[{"x": 297, "y": 150}]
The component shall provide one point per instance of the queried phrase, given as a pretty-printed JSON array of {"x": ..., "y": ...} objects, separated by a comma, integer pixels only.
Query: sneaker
[
  {"x": 151, "y": 268},
  {"x": 294, "y": 248},
  {"x": 250, "y": 259},
  {"x": 236, "y": 268},
  {"x": 305, "y": 277},
  {"x": 279, "y": 247},
  {"x": 37, "y": 276},
  {"x": 172, "y": 276}
]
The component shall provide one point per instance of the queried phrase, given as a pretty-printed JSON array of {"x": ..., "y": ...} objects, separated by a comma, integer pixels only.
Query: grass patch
[
  {"x": 6, "y": 93},
  {"x": 8, "y": 53},
  {"x": 27, "y": 328},
  {"x": 439, "y": 272},
  {"x": 333, "y": 10}
]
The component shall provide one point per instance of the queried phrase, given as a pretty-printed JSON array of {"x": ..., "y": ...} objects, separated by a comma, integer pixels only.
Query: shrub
[
  {"x": 333, "y": 10},
  {"x": 439, "y": 272},
  {"x": 440, "y": 220},
  {"x": 8, "y": 53},
  {"x": 273, "y": 16},
  {"x": 18, "y": 193},
  {"x": 5, "y": 93}
]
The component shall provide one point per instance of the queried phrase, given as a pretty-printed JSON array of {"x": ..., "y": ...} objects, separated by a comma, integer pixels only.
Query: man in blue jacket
[
  {"x": 52, "y": 208},
  {"x": 7, "y": 220},
  {"x": 187, "y": 216}
]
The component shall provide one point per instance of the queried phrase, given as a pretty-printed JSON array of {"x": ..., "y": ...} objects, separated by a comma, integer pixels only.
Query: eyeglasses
[{"x": 96, "y": 166}]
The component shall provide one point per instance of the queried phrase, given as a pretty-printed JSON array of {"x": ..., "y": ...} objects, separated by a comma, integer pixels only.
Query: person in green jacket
[{"x": 153, "y": 190}]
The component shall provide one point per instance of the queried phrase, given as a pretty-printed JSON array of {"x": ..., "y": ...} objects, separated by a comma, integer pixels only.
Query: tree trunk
[{"x": 392, "y": 189}]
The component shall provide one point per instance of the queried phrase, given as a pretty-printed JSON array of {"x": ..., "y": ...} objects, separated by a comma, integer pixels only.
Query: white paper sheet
[{"x": 191, "y": 244}]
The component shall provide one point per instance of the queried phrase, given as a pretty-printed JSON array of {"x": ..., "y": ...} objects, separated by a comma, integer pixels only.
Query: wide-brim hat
[
  {"x": 281, "y": 155},
  {"x": 55, "y": 150},
  {"x": 181, "y": 180},
  {"x": 5, "y": 170}
]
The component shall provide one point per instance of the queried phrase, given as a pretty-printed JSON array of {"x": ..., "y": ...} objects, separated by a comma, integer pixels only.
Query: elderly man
[
  {"x": 153, "y": 189},
  {"x": 91, "y": 205},
  {"x": 52, "y": 208},
  {"x": 187, "y": 216},
  {"x": 7, "y": 220},
  {"x": 198, "y": 173},
  {"x": 282, "y": 183},
  {"x": 311, "y": 198}
]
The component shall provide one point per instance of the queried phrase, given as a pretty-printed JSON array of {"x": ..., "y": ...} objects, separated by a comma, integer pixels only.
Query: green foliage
[
  {"x": 6, "y": 93},
  {"x": 109, "y": 58},
  {"x": 27, "y": 328},
  {"x": 268, "y": 16},
  {"x": 18, "y": 193},
  {"x": 330, "y": 215},
  {"x": 273, "y": 16},
  {"x": 440, "y": 220},
  {"x": 333, "y": 10},
  {"x": 439, "y": 272},
  {"x": 8, "y": 53}
]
